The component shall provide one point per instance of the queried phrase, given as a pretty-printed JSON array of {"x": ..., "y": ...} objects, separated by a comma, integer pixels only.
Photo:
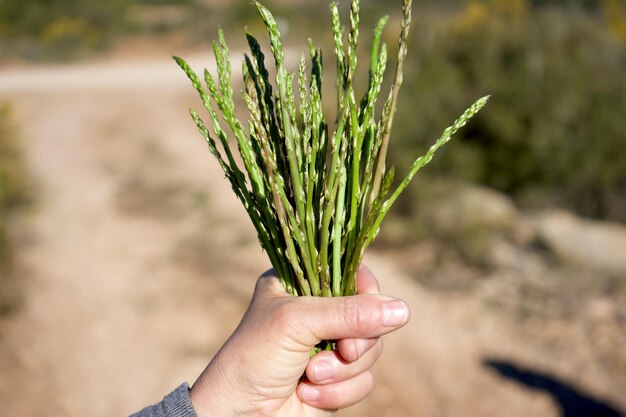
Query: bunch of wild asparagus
[{"x": 316, "y": 193}]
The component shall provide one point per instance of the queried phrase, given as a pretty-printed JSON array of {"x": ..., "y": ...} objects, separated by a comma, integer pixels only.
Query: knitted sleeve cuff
[{"x": 175, "y": 404}]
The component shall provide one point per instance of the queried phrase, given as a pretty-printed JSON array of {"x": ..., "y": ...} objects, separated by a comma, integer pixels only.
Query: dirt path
[
  {"x": 97, "y": 76},
  {"x": 107, "y": 301},
  {"x": 131, "y": 282}
]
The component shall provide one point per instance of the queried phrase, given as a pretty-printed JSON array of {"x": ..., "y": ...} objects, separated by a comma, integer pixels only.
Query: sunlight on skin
[{"x": 258, "y": 371}]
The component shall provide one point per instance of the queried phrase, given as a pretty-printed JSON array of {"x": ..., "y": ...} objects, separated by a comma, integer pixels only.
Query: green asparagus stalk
[{"x": 316, "y": 191}]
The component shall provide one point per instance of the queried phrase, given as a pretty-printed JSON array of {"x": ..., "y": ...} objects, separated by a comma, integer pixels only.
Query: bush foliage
[
  {"x": 12, "y": 178},
  {"x": 554, "y": 133},
  {"x": 58, "y": 28},
  {"x": 556, "y": 70},
  {"x": 14, "y": 195}
]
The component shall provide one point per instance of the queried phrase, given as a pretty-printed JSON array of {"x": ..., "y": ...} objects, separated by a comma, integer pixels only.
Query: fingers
[
  {"x": 339, "y": 395},
  {"x": 309, "y": 320},
  {"x": 352, "y": 349},
  {"x": 366, "y": 282},
  {"x": 362, "y": 317},
  {"x": 329, "y": 367}
]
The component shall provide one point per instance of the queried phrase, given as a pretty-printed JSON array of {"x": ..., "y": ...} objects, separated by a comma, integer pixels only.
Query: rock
[
  {"x": 525, "y": 231},
  {"x": 509, "y": 256},
  {"x": 601, "y": 310},
  {"x": 595, "y": 244},
  {"x": 464, "y": 208}
]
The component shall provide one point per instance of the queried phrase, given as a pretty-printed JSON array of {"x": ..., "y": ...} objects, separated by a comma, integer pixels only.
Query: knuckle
[
  {"x": 351, "y": 314},
  {"x": 268, "y": 286},
  {"x": 285, "y": 315},
  {"x": 357, "y": 315}
]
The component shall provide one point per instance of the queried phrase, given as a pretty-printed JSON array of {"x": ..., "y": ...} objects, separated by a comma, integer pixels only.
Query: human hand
[{"x": 258, "y": 370}]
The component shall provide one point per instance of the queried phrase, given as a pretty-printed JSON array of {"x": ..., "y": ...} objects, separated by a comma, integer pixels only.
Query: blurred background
[{"x": 125, "y": 261}]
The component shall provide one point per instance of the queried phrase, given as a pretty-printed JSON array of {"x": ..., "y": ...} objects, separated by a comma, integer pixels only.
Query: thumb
[{"x": 359, "y": 316}]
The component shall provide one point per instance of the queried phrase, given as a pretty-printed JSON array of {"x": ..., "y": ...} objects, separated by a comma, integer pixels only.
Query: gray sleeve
[{"x": 175, "y": 404}]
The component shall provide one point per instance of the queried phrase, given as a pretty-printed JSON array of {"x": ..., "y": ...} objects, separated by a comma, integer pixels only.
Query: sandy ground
[{"x": 138, "y": 262}]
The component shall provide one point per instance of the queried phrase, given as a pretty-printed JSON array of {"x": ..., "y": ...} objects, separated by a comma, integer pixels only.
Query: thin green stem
[
  {"x": 389, "y": 109},
  {"x": 337, "y": 233}
]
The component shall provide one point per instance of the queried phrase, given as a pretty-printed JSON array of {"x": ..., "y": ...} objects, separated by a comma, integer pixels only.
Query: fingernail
[
  {"x": 309, "y": 393},
  {"x": 323, "y": 371},
  {"x": 395, "y": 313}
]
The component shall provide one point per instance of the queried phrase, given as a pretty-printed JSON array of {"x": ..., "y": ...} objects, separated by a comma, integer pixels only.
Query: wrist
[{"x": 214, "y": 394}]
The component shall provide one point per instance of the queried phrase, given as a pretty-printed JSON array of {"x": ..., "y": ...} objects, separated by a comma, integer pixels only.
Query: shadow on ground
[{"x": 572, "y": 402}]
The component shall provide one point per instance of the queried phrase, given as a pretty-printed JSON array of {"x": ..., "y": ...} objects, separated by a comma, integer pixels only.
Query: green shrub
[
  {"x": 14, "y": 195},
  {"x": 59, "y": 28},
  {"x": 554, "y": 133}
]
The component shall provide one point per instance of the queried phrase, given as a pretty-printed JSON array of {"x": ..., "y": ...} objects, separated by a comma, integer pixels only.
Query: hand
[{"x": 258, "y": 370}]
